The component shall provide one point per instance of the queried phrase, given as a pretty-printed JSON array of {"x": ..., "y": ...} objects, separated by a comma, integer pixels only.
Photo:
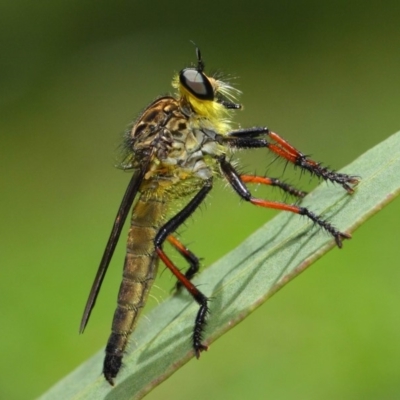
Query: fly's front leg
[
  {"x": 255, "y": 138},
  {"x": 165, "y": 231},
  {"x": 194, "y": 262},
  {"x": 238, "y": 185}
]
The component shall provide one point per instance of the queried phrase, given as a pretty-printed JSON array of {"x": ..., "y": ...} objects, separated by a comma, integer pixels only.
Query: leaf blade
[{"x": 241, "y": 281}]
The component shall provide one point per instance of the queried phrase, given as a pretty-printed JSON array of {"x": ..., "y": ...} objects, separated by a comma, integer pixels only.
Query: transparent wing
[{"x": 123, "y": 211}]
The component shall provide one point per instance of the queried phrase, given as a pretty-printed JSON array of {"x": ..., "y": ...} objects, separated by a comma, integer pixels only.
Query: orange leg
[
  {"x": 237, "y": 182},
  {"x": 165, "y": 233},
  {"x": 194, "y": 262},
  {"x": 256, "y": 138},
  {"x": 273, "y": 182}
]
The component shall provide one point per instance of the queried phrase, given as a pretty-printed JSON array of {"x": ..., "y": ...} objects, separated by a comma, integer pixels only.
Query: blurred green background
[{"x": 73, "y": 74}]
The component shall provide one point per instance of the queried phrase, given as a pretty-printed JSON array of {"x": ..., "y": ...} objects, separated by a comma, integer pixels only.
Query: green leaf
[{"x": 241, "y": 281}]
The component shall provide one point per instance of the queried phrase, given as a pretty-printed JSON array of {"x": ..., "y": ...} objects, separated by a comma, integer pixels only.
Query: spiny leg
[
  {"x": 255, "y": 138},
  {"x": 193, "y": 261},
  {"x": 238, "y": 185},
  {"x": 165, "y": 231},
  {"x": 263, "y": 180}
]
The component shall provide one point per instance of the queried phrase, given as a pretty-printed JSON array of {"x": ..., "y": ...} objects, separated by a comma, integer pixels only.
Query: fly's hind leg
[
  {"x": 193, "y": 261},
  {"x": 162, "y": 235}
]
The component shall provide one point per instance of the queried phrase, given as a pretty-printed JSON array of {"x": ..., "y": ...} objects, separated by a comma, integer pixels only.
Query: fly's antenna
[{"x": 200, "y": 62}]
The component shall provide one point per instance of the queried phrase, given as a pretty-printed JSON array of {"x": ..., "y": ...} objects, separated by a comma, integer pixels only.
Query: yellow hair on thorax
[{"x": 218, "y": 116}]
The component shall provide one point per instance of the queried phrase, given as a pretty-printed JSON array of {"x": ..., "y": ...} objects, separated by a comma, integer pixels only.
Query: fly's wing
[{"x": 123, "y": 211}]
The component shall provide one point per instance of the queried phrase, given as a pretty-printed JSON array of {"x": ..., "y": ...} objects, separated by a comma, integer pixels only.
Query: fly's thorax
[
  {"x": 145, "y": 132},
  {"x": 190, "y": 149},
  {"x": 178, "y": 138}
]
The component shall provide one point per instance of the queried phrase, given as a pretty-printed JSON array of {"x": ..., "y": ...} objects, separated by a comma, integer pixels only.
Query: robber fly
[{"x": 176, "y": 148}]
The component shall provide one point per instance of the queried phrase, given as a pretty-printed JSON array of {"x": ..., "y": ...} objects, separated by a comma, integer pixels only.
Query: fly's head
[{"x": 207, "y": 97}]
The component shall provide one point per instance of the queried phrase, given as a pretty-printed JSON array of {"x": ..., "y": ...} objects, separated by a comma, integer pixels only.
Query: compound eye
[{"x": 196, "y": 83}]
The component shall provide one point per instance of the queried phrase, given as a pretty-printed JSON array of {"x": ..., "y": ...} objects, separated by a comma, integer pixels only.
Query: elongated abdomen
[{"x": 140, "y": 270}]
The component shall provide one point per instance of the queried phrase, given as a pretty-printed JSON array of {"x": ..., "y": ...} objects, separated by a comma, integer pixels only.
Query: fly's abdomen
[{"x": 140, "y": 270}]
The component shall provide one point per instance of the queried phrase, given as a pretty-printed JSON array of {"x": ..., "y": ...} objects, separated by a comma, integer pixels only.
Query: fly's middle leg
[{"x": 238, "y": 184}]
